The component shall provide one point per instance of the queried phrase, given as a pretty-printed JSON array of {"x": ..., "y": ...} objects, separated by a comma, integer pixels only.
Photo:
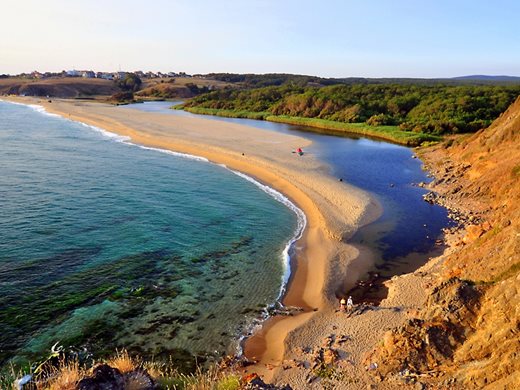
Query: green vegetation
[
  {"x": 227, "y": 113},
  {"x": 270, "y": 79},
  {"x": 511, "y": 271},
  {"x": 263, "y": 80},
  {"x": 516, "y": 171},
  {"x": 405, "y": 113},
  {"x": 390, "y": 133},
  {"x": 131, "y": 83},
  {"x": 123, "y": 97}
]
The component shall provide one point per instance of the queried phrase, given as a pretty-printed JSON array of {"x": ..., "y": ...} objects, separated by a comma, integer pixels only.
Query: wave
[
  {"x": 42, "y": 110},
  {"x": 172, "y": 153},
  {"x": 105, "y": 133},
  {"x": 35, "y": 107},
  {"x": 256, "y": 323},
  {"x": 301, "y": 218},
  {"x": 126, "y": 140}
]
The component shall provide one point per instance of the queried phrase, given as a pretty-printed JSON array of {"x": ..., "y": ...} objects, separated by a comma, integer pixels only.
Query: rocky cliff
[{"x": 468, "y": 333}]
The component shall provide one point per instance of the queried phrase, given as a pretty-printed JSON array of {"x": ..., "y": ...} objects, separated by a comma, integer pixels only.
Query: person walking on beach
[
  {"x": 350, "y": 304},
  {"x": 342, "y": 303}
]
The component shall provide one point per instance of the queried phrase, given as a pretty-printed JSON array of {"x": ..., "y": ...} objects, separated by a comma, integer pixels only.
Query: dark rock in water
[
  {"x": 430, "y": 197},
  {"x": 103, "y": 377}
]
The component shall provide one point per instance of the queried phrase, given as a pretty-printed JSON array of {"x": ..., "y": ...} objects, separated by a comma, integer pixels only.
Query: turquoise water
[{"x": 106, "y": 244}]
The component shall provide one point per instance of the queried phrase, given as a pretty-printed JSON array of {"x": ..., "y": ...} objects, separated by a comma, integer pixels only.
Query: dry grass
[
  {"x": 67, "y": 375},
  {"x": 182, "y": 81},
  {"x": 64, "y": 377},
  {"x": 123, "y": 362}
]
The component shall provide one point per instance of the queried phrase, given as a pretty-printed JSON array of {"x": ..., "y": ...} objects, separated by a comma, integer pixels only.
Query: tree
[{"x": 130, "y": 83}]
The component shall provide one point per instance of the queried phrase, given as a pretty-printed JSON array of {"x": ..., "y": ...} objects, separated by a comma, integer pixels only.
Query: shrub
[
  {"x": 380, "y": 120},
  {"x": 123, "y": 97},
  {"x": 516, "y": 171}
]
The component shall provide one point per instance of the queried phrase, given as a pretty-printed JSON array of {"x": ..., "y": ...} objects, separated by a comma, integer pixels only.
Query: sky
[{"x": 344, "y": 38}]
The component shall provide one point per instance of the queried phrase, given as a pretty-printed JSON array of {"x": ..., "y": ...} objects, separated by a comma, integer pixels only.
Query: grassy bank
[
  {"x": 226, "y": 113},
  {"x": 388, "y": 133}
]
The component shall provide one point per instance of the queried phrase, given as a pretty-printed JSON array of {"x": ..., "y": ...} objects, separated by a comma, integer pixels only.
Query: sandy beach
[{"x": 324, "y": 267}]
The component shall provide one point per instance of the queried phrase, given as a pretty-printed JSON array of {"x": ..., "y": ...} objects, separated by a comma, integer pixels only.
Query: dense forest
[
  {"x": 251, "y": 80},
  {"x": 432, "y": 108}
]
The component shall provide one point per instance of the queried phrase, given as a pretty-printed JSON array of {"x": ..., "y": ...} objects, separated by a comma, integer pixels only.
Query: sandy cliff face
[{"x": 468, "y": 333}]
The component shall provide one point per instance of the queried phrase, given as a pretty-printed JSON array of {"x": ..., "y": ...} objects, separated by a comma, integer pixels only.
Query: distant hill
[
  {"x": 186, "y": 87},
  {"x": 276, "y": 79},
  {"x": 481, "y": 77},
  {"x": 94, "y": 88}
]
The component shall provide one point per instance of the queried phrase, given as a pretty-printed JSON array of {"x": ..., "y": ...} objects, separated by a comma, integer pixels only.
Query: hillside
[
  {"x": 63, "y": 87},
  {"x": 94, "y": 88},
  {"x": 432, "y": 109},
  {"x": 178, "y": 87},
  {"x": 467, "y": 335}
]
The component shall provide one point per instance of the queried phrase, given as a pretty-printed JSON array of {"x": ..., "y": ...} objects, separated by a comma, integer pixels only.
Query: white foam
[
  {"x": 172, "y": 153},
  {"x": 301, "y": 219},
  {"x": 42, "y": 110},
  {"x": 108, "y": 134},
  {"x": 105, "y": 133},
  {"x": 35, "y": 107},
  {"x": 10, "y": 102}
]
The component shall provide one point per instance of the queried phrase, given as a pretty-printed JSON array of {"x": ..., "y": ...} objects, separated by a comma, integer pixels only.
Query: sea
[{"x": 107, "y": 245}]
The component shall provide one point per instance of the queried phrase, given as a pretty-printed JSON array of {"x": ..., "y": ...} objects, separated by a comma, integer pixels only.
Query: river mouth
[{"x": 408, "y": 232}]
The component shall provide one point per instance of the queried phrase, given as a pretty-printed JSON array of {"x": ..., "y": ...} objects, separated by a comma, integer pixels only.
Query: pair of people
[{"x": 346, "y": 305}]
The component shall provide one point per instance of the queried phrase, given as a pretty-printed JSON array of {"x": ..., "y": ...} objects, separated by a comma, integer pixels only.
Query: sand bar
[{"x": 324, "y": 264}]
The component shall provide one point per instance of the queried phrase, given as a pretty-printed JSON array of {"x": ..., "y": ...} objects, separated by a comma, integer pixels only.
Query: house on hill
[
  {"x": 105, "y": 75},
  {"x": 88, "y": 74},
  {"x": 37, "y": 75},
  {"x": 73, "y": 73},
  {"x": 119, "y": 75}
]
